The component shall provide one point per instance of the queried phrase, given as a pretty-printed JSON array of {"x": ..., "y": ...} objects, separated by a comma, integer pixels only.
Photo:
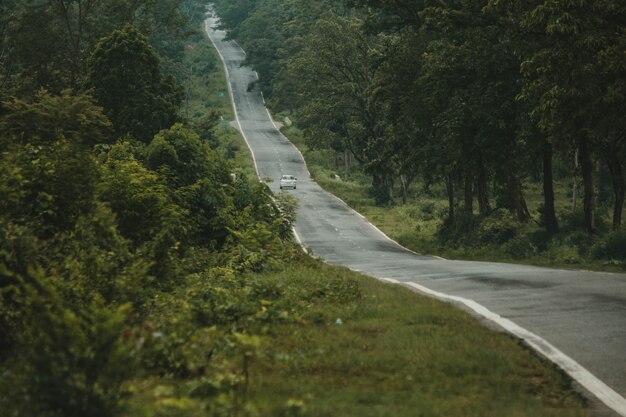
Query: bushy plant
[
  {"x": 427, "y": 210},
  {"x": 72, "y": 358},
  {"x": 539, "y": 238},
  {"x": 47, "y": 186},
  {"x": 139, "y": 198},
  {"x": 611, "y": 247},
  {"x": 520, "y": 248},
  {"x": 580, "y": 240},
  {"x": 458, "y": 230},
  {"x": 498, "y": 228}
]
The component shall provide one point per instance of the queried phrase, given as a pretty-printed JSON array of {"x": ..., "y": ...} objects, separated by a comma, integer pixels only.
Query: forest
[
  {"x": 119, "y": 213},
  {"x": 480, "y": 102},
  {"x": 144, "y": 273}
]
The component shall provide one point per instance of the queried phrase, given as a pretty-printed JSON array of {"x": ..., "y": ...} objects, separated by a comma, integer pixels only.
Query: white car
[{"x": 288, "y": 181}]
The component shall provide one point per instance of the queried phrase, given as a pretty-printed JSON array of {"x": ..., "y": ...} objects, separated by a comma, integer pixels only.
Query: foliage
[
  {"x": 478, "y": 96},
  {"x": 612, "y": 247},
  {"x": 93, "y": 240},
  {"x": 47, "y": 186},
  {"x": 72, "y": 359},
  {"x": 497, "y": 229},
  {"x": 126, "y": 77},
  {"x": 48, "y": 117},
  {"x": 105, "y": 238}
]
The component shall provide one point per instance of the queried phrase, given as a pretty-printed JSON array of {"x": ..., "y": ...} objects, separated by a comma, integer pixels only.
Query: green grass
[
  {"x": 394, "y": 353},
  {"x": 207, "y": 90},
  {"x": 401, "y": 354}
]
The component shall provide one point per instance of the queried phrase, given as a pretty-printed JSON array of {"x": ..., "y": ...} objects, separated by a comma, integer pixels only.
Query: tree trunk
[
  {"x": 619, "y": 187},
  {"x": 549, "y": 213},
  {"x": 403, "y": 182},
  {"x": 380, "y": 189},
  {"x": 586, "y": 167},
  {"x": 450, "y": 190},
  {"x": 347, "y": 162},
  {"x": 517, "y": 196},
  {"x": 575, "y": 186},
  {"x": 483, "y": 197},
  {"x": 468, "y": 194}
]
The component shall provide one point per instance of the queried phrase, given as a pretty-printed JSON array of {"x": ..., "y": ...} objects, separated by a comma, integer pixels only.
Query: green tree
[
  {"x": 199, "y": 181},
  {"x": 48, "y": 173},
  {"x": 336, "y": 70},
  {"x": 575, "y": 86},
  {"x": 75, "y": 117},
  {"x": 139, "y": 198},
  {"x": 126, "y": 77}
]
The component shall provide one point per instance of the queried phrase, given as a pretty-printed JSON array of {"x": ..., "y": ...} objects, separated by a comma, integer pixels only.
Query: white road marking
[
  {"x": 232, "y": 97},
  {"x": 585, "y": 378}
]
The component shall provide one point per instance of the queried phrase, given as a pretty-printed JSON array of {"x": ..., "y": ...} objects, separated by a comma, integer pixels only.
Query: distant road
[{"x": 575, "y": 318}]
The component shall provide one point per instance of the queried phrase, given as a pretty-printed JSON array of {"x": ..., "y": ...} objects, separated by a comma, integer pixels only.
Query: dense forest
[
  {"x": 481, "y": 99},
  {"x": 118, "y": 215}
]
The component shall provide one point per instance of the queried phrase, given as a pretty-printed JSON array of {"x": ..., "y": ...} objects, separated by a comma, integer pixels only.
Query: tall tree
[
  {"x": 126, "y": 77},
  {"x": 334, "y": 106},
  {"x": 569, "y": 84}
]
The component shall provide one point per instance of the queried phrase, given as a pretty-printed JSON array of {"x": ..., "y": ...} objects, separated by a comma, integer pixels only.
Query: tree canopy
[
  {"x": 126, "y": 77},
  {"x": 467, "y": 93}
]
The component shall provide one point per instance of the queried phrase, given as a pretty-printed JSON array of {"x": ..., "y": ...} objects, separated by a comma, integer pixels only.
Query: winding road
[{"x": 577, "y": 319}]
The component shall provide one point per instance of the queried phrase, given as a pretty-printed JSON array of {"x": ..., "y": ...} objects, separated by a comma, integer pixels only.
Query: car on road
[{"x": 288, "y": 181}]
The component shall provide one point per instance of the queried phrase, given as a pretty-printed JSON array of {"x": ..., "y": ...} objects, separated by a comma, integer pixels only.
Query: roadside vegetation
[
  {"x": 420, "y": 222},
  {"x": 478, "y": 130},
  {"x": 145, "y": 271}
]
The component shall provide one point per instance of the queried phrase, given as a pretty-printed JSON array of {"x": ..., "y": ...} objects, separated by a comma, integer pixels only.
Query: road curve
[{"x": 577, "y": 319}]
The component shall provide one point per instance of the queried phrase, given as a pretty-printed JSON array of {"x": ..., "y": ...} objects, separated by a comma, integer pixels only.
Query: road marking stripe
[{"x": 579, "y": 373}]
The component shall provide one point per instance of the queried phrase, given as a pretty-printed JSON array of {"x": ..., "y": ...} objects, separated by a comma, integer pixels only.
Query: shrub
[
  {"x": 613, "y": 246},
  {"x": 497, "y": 229},
  {"x": 579, "y": 239},
  {"x": 47, "y": 186},
  {"x": 427, "y": 210},
  {"x": 458, "y": 231},
  {"x": 519, "y": 248},
  {"x": 540, "y": 239},
  {"x": 72, "y": 358}
]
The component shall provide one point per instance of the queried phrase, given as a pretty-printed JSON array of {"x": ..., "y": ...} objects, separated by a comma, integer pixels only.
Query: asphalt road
[{"x": 575, "y": 318}]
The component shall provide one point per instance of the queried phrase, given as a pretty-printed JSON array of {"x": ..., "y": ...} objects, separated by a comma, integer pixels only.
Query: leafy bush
[
  {"x": 460, "y": 230},
  {"x": 540, "y": 239},
  {"x": 580, "y": 240},
  {"x": 497, "y": 229},
  {"x": 519, "y": 248},
  {"x": 73, "y": 359},
  {"x": 139, "y": 198},
  {"x": 612, "y": 247},
  {"x": 427, "y": 208},
  {"x": 47, "y": 186}
]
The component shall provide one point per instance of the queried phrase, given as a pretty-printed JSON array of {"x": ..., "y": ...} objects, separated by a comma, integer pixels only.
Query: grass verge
[
  {"x": 206, "y": 91},
  {"x": 397, "y": 353},
  {"x": 324, "y": 341}
]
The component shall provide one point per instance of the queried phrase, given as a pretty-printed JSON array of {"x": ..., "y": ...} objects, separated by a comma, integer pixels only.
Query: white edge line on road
[
  {"x": 232, "y": 101},
  {"x": 232, "y": 97},
  {"x": 576, "y": 371},
  {"x": 284, "y": 137}
]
